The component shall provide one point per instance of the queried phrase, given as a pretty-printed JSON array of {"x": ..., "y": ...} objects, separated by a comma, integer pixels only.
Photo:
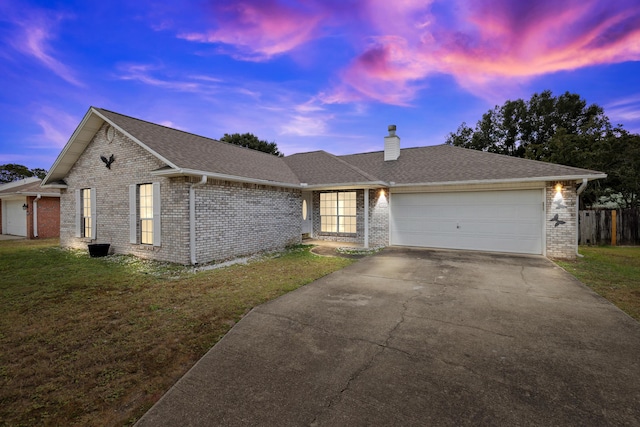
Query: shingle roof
[
  {"x": 29, "y": 186},
  {"x": 185, "y": 150},
  {"x": 320, "y": 167},
  {"x": 446, "y": 163},
  {"x": 188, "y": 154}
]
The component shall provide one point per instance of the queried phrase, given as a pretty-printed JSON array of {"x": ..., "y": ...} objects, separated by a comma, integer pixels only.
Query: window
[
  {"x": 86, "y": 213},
  {"x": 144, "y": 214},
  {"x": 85, "y": 196},
  {"x": 338, "y": 212}
]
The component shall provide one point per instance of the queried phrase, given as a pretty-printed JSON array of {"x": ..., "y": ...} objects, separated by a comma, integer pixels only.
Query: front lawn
[
  {"x": 611, "y": 271},
  {"x": 97, "y": 341}
]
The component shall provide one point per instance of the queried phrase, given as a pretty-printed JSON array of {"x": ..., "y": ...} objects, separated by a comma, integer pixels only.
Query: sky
[{"x": 310, "y": 74}]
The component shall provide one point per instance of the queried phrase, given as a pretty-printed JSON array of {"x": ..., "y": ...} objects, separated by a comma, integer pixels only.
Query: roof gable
[{"x": 184, "y": 153}]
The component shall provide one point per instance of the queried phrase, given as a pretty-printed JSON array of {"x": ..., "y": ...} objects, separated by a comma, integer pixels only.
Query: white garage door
[
  {"x": 16, "y": 218},
  {"x": 501, "y": 221}
]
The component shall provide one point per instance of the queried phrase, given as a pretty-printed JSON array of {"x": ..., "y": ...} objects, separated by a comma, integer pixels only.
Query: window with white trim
[
  {"x": 144, "y": 214},
  {"x": 338, "y": 212},
  {"x": 86, "y": 221},
  {"x": 86, "y": 217}
]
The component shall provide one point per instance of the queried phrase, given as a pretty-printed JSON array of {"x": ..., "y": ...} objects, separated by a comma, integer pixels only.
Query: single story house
[
  {"x": 170, "y": 195},
  {"x": 29, "y": 210}
]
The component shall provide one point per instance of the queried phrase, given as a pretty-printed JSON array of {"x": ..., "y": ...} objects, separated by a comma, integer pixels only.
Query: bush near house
[{"x": 97, "y": 341}]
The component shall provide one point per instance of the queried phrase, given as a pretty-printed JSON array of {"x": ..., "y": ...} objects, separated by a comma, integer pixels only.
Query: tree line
[{"x": 566, "y": 130}]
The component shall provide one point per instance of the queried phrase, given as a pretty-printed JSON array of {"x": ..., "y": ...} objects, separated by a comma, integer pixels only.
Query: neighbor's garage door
[
  {"x": 16, "y": 220},
  {"x": 501, "y": 221}
]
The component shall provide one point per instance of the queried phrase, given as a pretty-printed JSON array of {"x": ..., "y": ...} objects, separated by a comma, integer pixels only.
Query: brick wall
[
  {"x": 132, "y": 165},
  {"x": 48, "y": 217},
  {"x": 233, "y": 219},
  {"x": 561, "y": 232},
  {"x": 238, "y": 219},
  {"x": 379, "y": 218}
]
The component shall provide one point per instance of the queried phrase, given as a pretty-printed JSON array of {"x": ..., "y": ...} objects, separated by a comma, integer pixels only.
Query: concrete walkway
[
  {"x": 11, "y": 237},
  {"x": 421, "y": 338}
]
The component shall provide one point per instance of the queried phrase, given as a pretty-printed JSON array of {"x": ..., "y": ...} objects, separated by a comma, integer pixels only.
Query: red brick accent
[{"x": 48, "y": 217}]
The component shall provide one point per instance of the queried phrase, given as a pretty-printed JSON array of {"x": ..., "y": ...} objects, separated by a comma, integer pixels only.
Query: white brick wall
[
  {"x": 234, "y": 219},
  {"x": 237, "y": 219},
  {"x": 561, "y": 237}
]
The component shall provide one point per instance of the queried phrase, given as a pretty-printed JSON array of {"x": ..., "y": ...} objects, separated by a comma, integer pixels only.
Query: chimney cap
[{"x": 392, "y": 130}]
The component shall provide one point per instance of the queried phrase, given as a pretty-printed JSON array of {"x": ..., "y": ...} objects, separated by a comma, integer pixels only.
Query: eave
[
  {"x": 541, "y": 179},
  {"x": 176, "y": 172}
]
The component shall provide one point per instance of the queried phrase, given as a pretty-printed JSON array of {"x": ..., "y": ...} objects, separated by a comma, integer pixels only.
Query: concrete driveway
[{"x": 421, "y": 337}]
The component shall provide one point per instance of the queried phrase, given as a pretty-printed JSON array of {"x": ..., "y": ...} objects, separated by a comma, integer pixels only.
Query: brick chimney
[{"x": 391, "y": 145}]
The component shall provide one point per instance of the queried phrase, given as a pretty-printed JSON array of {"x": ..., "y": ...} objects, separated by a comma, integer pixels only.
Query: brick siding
[
  {"x": 48, "y": 217},
  {"x": 236, "y": 219},
  {"x": 561, "y": 237},
  {"x": 233, "y": 219}
]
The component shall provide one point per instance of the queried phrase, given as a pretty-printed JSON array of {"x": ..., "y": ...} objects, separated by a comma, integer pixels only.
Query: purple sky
[{"x": 309, "y": 74}]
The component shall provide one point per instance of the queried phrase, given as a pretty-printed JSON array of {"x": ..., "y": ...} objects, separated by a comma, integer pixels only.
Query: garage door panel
[
  {"x": 16, "y": 218},
  {"x": 505, "y": 221}
]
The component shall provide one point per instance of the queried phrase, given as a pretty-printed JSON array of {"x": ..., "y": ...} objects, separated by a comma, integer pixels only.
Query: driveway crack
[{"x": 368, "y": 364}]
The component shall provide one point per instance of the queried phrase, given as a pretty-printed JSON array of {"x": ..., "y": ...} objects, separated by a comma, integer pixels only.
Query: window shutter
[
  {"x": 94, "y": 219},
  {"x": 156, "y": 215},
  {"x": 78, "y": 214},
  {"x": 133, "y": 236}
]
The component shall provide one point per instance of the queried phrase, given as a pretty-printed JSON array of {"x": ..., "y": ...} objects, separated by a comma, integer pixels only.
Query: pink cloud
[
  {"x": 485, "y": 44},
  {"x": 261, "y": 29},
  {"x": 388, "y": 72}
]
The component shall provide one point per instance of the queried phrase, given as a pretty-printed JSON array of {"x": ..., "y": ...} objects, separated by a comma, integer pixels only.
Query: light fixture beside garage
[
  {"x": 558, "y": 188},
  {"x": 25, "y": 207}
]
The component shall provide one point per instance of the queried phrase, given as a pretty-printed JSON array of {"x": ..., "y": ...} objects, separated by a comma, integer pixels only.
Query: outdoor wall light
[
  {"x": 558, "y": 188},
  {"x": 382, "y": 192},
  {"x": 25, "y": 207}
]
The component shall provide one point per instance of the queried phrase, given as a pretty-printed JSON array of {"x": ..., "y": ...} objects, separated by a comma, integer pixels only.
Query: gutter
[
  {"x": 505, "y": 181},
  {"x": 583, "y": 186},
  {"x": 222, "y": 177},
  {"x": 192, "y": 217},
  {"x": 35, "y": 215}
]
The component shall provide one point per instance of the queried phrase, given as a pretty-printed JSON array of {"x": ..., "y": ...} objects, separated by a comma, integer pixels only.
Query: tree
[
  {"x": 249, "y": 140},
  {"x": 563, "y": 130},
  {"x": 14, "y": 172},
  {"x": 525, "y": 128}
]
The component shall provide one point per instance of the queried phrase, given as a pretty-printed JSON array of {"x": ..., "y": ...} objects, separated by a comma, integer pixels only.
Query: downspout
[
  {"x": 579, "y": 191},
  {"x": 192, "y": 217},
  {"x": 35, "y": 215},
  {"x": 366, "y": 218}
]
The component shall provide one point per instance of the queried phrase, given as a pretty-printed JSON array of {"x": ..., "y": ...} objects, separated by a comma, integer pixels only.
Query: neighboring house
[
  {"x": 169, "y": 195},
  {"x": 29, "y": 210}
]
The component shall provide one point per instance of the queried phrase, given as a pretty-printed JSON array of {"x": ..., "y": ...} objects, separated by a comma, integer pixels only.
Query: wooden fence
[{"x": 596, "y": 227}]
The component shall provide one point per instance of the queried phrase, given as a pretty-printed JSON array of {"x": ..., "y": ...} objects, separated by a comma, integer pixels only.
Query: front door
[{"x": 307, "y": 215}]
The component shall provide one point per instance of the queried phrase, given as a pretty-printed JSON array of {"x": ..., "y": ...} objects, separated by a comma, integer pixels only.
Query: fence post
[{"x": 614, "y": 224}]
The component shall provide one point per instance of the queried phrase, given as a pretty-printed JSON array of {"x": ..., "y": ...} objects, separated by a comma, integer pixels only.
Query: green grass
[
  {"x": 613, "y": 272},
  {"x": 97, "y": 341}
]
